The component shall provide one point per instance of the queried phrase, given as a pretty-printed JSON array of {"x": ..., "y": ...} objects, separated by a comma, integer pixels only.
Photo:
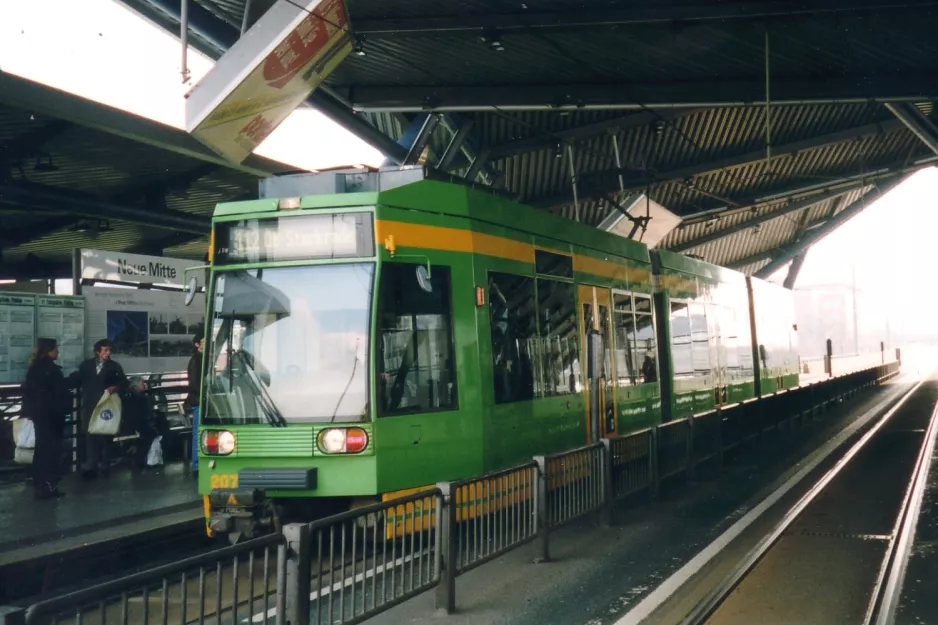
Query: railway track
[{"x": 838, "y": 555}]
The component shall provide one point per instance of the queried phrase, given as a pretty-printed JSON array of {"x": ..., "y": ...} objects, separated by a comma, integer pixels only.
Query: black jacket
[
  {"x": 47, "y": 399},
  {"x": 194, "y": 377},
  {"x": 93, "y": 384}
]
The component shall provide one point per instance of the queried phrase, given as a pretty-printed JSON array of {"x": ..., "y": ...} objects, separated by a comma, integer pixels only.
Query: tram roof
[{"x": 681, "y": 86}]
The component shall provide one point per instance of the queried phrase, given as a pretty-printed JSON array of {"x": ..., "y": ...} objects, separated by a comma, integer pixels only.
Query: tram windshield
[{"x": 289, "y": 345}]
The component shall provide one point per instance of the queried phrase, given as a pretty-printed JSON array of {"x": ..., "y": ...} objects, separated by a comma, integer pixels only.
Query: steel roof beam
[
  {"x": 21, "y": 236},
  {"x": 590, "y": 187},
  {"x": 34, "y": 268},
  {"x": 213, "y": 37},
  {"x": 815, "y": 236},
  {"x": 51, "y": 199},
  {"x": 30, "y": 142},
  {"x": 31, "y": 96},
  {"x": 622, "y": 96},
  {"x": 548, "y": 140},
  {"x": 921, "y": 126},
  {"x": 753, "y": 258},
  {"x": 648, "y": 14},
  {"x": 783, "y": 210},
  {"x": 607, "y": 180}
]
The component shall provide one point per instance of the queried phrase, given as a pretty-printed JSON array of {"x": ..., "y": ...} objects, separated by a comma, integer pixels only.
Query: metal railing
[
  {"x": 225, "y": 586},
  {"x": 348, "y": 567},
  {"x": 167, "y": 392},
  {"x": 365, "y": 561}
]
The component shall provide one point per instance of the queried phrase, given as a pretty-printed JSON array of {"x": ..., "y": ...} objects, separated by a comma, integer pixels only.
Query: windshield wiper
[
  {"x": 273, "y": 414},
  {"x": 350, "y": 378}
]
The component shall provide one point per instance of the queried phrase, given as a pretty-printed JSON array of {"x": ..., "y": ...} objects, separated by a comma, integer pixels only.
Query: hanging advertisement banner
[
  {"x": 106, "y": 266},
  {"x": 266, "y": 74}
]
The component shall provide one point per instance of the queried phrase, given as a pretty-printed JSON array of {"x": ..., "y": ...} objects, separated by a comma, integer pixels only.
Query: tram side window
[
  {"x": 700, "y": 339},
  {"x": 729, "y": 328},
  {"x": 558, "y": 341},
  {"x": 416, "y": 369},
  {"x": 645, "y": 345},
  {"x": 513, "y": 318},
  {"x": 624, "y": 324},
  {"x": 681, "y": 354}
]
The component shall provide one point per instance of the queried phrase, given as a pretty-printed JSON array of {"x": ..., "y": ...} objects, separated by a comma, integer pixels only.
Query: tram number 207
[{"x": 224, "y": 481}]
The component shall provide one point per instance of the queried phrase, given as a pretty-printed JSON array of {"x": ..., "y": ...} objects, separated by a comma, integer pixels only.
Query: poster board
[
  {"x": 17, "y": 335},
  {"x": 63, "y": 318},
  {"x": 24, "y": 317},
  {"x": 152, "y": 330}
]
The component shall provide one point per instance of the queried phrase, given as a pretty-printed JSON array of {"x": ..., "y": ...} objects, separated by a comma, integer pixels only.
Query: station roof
[
  {"x": 763, "y": 124},
  {"x": 76, "y": 173}
]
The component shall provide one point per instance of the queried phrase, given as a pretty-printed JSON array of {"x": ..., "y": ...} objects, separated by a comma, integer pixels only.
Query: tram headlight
[
  {"x": 342, "y": 440},
  {"x": 218, "y": 442}
]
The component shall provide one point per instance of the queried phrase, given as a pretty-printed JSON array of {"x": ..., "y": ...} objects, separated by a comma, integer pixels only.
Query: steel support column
[
  {"x": 794, "y": 269},
  {"x": 921, "y": 126},
  {"x": 815, "y": 236},
  {"x": 415, "y": 138}
]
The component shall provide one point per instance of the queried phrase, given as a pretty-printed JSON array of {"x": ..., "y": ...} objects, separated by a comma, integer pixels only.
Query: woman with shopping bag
[{"x": 47, "y": 402}]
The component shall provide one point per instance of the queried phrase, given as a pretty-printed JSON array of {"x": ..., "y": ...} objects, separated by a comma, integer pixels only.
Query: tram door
[
  {"x": 718, "y": 322},
  {"x": 598, "y": 363}
]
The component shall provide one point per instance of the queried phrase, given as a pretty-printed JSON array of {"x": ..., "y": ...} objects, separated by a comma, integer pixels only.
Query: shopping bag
[
  {"x": 23, "y": 455},
  {"x": 155, "y": 455},
  {"x": 106, "y": 416},
  {"x": 24, "y": 433}
]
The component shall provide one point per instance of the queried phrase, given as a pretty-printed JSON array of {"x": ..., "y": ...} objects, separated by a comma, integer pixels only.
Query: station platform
[
  {"x": 598, "y": 574},
  {"x": 917, "y": 598},
  {"x": 95, "y": 517}
]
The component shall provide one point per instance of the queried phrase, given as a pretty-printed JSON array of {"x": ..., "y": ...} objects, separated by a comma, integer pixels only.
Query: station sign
[
  {"x": 105, "y": 266},
  {"x": 267, "y": 74}
]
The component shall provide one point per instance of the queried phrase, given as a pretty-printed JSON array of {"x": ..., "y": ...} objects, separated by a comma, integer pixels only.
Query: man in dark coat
[
  {"x": 194, "y": 377},
  {"x": 94, "y": 376}
]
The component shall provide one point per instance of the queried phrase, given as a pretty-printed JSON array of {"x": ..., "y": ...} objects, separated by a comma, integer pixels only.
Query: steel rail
[{"x": 706, "y": 607}]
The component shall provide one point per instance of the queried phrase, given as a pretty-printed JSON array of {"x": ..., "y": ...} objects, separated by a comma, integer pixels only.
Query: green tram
[{"x": 371, "y": 334}]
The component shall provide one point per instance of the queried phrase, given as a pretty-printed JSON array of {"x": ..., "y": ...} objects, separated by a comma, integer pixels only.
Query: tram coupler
[{"x": 239, "y": 512}]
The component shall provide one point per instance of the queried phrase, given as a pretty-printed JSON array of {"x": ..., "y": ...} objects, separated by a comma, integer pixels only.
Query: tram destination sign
[
  {"x": 303, "y": 237},
  {"x": 267, "y": 74}
]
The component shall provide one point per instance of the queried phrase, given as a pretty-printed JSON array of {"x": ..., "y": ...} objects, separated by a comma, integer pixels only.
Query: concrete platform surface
[{"x": 101, "y": 505}]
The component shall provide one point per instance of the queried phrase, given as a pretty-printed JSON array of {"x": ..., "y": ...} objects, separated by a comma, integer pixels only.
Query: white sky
[
  {"x": 100, "y": 50},
  {"x": 103, "y": 51}
]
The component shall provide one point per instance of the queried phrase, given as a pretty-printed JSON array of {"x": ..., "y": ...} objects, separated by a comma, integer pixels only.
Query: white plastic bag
[
  {"x": 106, "y": 416},
  {"x": 23, "y": 455},
  {"x": 24, "y": 433},
  {"x": 155, "y": 455}
]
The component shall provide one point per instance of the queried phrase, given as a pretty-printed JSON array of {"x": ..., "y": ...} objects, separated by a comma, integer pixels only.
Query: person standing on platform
[
  {"x": 47, "y": 401},
  {"x": 96, "y": 375},
  {"x": 194, "y": 375},
  {"x": 137, "y": 411}
]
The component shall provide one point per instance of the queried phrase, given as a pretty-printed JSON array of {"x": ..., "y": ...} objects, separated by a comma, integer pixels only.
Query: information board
[
  {"x": 63, "y": 318},
  {"x": 17, "y": 335}
]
